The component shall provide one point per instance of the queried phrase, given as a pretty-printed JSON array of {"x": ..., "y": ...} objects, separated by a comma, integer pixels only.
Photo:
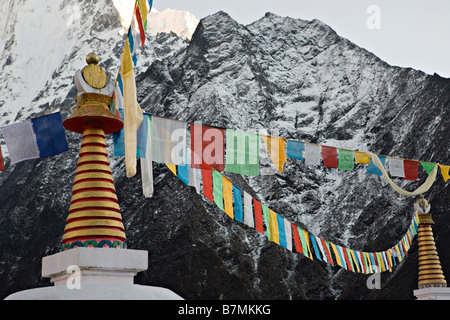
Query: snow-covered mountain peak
[{"x": 182, "y": 23}]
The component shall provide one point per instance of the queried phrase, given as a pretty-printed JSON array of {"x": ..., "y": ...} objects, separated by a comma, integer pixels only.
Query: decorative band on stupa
[
  {"x": 430, "y": 270},
  {"x": 94, "y": 218}
]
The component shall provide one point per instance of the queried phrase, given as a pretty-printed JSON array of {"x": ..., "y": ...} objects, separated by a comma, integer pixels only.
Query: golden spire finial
[{"x": 93, "y": 74}]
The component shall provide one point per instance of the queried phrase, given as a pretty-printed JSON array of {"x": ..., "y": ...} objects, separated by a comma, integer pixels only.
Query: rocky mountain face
[{"x": 297, "y": 79}]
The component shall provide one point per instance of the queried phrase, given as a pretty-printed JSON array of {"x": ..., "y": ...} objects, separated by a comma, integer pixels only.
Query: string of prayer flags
[
  {"x": 208, "y": 147},
  {"x": 329, "y": 157},
  {"x": 242, "y": 152},
  {"x": 168, "y": 141},
  {"x": 276, "y": 148},
  {"x": 36, "y": 138}
]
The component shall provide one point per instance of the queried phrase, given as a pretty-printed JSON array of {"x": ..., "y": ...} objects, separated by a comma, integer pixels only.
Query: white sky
[{"x": 412, "y": 33}]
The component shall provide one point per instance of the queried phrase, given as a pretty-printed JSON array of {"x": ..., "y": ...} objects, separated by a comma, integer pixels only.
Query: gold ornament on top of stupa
[
  {"x": 430, "y": 270},
  {"x": 93, "y": 74},
  {"x": 93, "y": 99}
]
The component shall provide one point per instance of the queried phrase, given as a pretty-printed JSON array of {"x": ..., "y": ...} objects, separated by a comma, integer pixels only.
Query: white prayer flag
[
  {"x": 396, "y": 168},
  {"x": 248, "y": 210},
  {"x": 288, "y": 232},
  {"x": 21, "y": 141},
  {"x": 312, "y": 154},
  {"x": 146, "y": 164},
  {"x": 168, "y": 141}
]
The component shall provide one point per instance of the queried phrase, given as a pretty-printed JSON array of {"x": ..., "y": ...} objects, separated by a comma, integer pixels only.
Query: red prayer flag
[
  {"x": 329, "y": 156},
  {"x": 347, "y": 261},
  {"x": 411, "y": 169},
  {"x": 138, "y": 15},
  {"x": 207, "y": 185},
  {"x": 298, "y": 245},
  {"x": 2, "y": 163},
  {"x": 208, "y": 145},
  {"x": 259, "y": 224},
  {"x": 327, "y": 252}
]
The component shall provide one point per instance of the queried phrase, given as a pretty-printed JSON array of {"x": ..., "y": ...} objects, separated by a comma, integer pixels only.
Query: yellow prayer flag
[
  {"x": 362, "y": 157},
  {"x": 143, "y": 9},
  {"x": 355, "y": 260},
  {"x": 307, "y": 243},
  {"x": 172, "y": 168},
  {"x": 444, "y": 172},
  {"x": 273, "y": 225},
  {"x": 133, "y": 114},
  {"x": 277, "y": 151},
  {"x": 336, "y": 254},
  {"x": 227, "y": 186}
]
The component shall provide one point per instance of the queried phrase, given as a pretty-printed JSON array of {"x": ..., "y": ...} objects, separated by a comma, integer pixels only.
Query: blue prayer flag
[
  {"x": 238, "y": 207},
  {"x": 295, "y": 149},
  {"x": 281, "y": 231},
  {"x": 50, "y": 135},
  {"x": 372, "y": 168}
]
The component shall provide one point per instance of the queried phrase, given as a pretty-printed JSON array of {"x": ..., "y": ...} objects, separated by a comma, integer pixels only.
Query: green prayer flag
[
  {"x": 217, "y": 188},
  {"x": 428, "y": 166},
  {"x": 303, "y": 241},
  {"x": 346, "y": 159},
  {"x": 266, "y": 216},
  {"x": 242, "y": 154}
]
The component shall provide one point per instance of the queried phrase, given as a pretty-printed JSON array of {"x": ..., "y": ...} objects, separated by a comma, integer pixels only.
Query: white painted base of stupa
[
  {"x": 432, "y": 293},
  {"x": 95, "y": 274}
]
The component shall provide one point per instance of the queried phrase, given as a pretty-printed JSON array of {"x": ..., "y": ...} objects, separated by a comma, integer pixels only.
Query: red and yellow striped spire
[{"x": 94, "y": 215}]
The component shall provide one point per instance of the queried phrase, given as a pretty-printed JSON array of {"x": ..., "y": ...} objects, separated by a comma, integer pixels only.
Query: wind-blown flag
[
  {"x": 238, "y": 206},
  {"x": 445, "y": 172},
  {"x": 228, "y": 197},
  {"x": 36, "y": 138},
  {"x": 133, "y": 114}
]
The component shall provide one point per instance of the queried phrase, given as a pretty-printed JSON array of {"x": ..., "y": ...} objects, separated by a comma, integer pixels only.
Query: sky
[{"x": 413, "y": 33}]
